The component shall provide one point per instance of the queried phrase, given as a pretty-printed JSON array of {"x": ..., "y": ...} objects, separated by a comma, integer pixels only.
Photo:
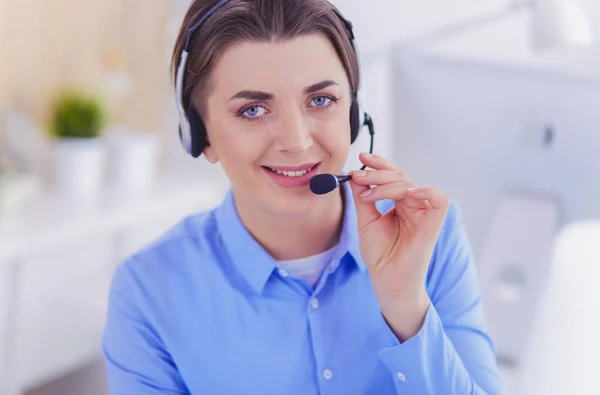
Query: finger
[
  {"x": 395, "y": 191},
  {"x": 417, "y": 204},
  {"x": 366, "y": 211},
  {"x": 378, "y": 162},
  {"x": 436, "y": 199},
  {"x": 377, "y": 177}
]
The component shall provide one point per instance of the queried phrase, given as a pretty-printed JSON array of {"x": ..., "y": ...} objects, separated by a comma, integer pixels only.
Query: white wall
[{"x": 378, "y": 23}]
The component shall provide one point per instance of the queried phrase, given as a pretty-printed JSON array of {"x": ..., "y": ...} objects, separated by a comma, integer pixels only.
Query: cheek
[
  {"x": 235, "y": 144},
  {"x": 237, "y": 149},
  {"x": 336, "y": 139}
]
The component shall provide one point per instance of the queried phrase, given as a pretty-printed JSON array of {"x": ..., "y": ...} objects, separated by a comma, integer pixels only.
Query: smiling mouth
[{"x": 290, "y": 174}]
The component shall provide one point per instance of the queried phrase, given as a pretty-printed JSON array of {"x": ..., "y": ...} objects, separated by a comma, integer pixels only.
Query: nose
[{"x": 293, "y": 135}]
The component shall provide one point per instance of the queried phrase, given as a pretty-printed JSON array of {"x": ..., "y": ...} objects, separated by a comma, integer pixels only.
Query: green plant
[{"x": 76, "y": 114}]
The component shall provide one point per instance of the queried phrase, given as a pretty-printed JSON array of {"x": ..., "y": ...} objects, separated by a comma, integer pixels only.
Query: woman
[{"x": 279, "y": 290}]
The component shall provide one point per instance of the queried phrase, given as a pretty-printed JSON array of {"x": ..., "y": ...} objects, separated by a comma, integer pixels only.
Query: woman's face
[{"x": 277, "y": 113}]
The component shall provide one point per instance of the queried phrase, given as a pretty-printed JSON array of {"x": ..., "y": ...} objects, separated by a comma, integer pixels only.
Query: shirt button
[
  {"x": 327, "y": 374},
  {"x": 283, "y": 273},
  {"x": 401, "y": 376},
  {"x": 314, "y": 303}
]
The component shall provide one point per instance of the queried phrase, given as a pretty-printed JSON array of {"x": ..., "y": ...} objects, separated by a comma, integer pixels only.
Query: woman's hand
[{"x": 397, "y": 246}]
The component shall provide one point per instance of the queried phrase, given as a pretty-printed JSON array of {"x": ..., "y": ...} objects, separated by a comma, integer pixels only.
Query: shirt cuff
[{"x": 409, "y": 361}]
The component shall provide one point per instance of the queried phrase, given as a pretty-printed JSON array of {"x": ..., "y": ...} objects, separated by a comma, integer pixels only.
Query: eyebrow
[
  {"x": 258, "y": 95},
  {"x": 319, "y": 85},
  {"x": 252, "y": 95}
]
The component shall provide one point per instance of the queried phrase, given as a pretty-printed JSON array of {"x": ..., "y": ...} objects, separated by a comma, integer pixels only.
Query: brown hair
[{"x": 256, "y": 20}]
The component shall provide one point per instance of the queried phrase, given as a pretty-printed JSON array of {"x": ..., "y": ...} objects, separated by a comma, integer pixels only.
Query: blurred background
[{"x": 494, "y": 102}]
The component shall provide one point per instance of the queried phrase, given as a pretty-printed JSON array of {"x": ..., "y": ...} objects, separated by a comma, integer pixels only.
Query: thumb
[{"x": 366, "y": 212}]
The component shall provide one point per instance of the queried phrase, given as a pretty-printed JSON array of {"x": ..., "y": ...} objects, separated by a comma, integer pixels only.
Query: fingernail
[
  {"x": 413, "y": 190},
  {"x": 366, "y": 193},
  {"x": 367, "y": 155},
  {"x": 359, "y": 173}
]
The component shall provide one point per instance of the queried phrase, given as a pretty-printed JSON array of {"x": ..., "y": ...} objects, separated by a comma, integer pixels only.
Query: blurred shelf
[{"x": 52, "y": 219}]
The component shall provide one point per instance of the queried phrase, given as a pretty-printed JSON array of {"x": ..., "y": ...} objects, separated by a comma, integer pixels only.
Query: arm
[
  {"x": 451, "y": 353},
  {"x": 136, "y": 360}
]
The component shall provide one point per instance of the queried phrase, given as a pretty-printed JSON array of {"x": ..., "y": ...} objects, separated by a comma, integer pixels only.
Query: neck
[{"x": 287, "y": 237}]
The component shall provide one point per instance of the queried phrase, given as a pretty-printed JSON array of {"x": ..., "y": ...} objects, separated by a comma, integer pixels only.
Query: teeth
[{"x": 291, "y": 173}]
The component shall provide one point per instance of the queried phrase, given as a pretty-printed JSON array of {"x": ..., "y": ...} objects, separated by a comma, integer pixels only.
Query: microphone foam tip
[{"x": 323, "y": 183}]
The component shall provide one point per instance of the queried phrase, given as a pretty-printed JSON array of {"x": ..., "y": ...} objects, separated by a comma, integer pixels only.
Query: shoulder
[
  {"x": 453, "y": 229},
  {"x": 194, "y": 233},
  {"x": 165, "y": 265},
  {"x": 452, "y": 259}
]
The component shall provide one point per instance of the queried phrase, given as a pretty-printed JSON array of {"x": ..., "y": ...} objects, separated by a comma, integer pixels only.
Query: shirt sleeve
[
  {"x": 452, "y": 354},
  {"x": 136, "y": 360}
]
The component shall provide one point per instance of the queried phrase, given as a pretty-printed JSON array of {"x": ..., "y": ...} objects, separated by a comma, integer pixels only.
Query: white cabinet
[{"x": 56, "y": 263}]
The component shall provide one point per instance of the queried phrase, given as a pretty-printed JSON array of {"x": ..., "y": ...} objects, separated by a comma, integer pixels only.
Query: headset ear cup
[
  {"x": 197, "y": 131},
  {"x": 354, "y": 120}
]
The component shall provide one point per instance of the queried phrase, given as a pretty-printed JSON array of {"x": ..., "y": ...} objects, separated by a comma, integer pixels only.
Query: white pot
[
  {"x": 134, "y": 159},
  {"x": 79, "y": 167}
]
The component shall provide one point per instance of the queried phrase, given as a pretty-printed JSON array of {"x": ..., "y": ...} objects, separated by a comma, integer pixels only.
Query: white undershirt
[{"x": 309, "y": 268}]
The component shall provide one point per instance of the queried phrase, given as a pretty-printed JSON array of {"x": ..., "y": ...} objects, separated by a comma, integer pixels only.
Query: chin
[
  {"x": 296, "y": 202},
  {"x": 268, "y": 198}
]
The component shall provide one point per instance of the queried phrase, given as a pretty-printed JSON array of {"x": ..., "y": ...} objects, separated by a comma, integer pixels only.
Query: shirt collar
[
  {"x": 250, "y": 258},
  {"x": 253, "y": 261}
]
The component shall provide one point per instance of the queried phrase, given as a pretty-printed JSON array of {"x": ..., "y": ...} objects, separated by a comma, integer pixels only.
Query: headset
[{"x": 192, "y": 131}]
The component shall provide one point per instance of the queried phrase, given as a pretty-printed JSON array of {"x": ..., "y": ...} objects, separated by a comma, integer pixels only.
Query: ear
[{"x": 210, "y": 154}]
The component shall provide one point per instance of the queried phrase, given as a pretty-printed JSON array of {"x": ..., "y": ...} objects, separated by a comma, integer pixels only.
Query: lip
[{"x": 293, "y": 182}]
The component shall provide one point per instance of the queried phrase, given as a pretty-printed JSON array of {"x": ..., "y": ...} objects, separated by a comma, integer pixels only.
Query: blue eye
[
  {"x": 321, "y": 101},
  {"x": 254, "y": 111}
]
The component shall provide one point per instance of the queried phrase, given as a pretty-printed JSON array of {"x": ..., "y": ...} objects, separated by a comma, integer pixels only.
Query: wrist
[{"x": 405, "y": 315}]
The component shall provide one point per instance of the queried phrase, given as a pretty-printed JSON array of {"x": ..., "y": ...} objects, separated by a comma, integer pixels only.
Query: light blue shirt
[{"x": 205, "y": 310}]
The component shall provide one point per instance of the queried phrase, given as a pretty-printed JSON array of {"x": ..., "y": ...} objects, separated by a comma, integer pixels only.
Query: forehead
[{"x": 294, "y": 63}]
